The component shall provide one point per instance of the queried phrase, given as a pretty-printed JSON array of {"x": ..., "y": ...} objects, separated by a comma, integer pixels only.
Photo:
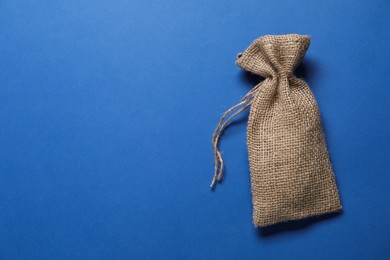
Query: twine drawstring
[{"x": 245, "y": 102}]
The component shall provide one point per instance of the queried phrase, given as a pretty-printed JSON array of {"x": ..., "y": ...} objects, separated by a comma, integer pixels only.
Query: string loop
[{"x": 245, "y": 102}]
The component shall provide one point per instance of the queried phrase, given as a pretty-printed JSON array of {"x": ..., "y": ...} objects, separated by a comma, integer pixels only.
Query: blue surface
[{"x": 107, "y": 110}]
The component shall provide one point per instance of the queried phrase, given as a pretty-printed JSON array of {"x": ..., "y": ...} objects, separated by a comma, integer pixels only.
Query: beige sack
[{"x": 291, "y": 175}]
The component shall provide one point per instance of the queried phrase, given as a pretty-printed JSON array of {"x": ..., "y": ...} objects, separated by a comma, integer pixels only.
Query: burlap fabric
[{"x": 291, "y": 175}]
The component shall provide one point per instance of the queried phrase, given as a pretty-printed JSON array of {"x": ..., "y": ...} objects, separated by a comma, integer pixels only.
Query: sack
[{"x": 291, "y": 175}]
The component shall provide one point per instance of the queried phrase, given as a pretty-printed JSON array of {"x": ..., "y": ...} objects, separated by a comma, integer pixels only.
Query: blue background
[{"x": 107, "y": 110}]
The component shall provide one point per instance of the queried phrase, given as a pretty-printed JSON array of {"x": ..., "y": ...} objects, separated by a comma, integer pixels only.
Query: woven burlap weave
[{"x": 291, "y": 175}]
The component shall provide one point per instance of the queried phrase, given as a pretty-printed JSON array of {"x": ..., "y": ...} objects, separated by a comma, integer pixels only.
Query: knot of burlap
[
  {"x": 291, "y": 174},
  {"x": 274, "y": 56}
]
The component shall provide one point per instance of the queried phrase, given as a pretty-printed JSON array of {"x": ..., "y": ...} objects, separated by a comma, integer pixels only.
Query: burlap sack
[{"x": 291, "y": 175}]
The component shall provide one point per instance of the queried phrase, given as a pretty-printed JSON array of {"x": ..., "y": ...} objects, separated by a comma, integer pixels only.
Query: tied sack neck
[{"x": 273, "y": 57}]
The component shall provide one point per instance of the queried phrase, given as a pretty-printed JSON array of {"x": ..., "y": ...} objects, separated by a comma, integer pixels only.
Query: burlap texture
[{"x": 291, "y": 175}]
